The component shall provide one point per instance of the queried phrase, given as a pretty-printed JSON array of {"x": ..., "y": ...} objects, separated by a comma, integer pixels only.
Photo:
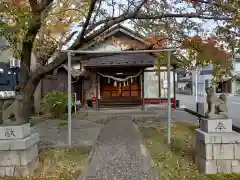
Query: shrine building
[{"x": 120, "y": 80}]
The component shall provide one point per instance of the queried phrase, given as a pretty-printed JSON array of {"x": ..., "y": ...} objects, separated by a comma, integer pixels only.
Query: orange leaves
[
  {"x": 206, "y": 49},
  {"x": 15, "y": 3},
  {"x": 193, "y": 43},
  {"x": 157, "y": 41},
  {"x": 61, "y": 17}
]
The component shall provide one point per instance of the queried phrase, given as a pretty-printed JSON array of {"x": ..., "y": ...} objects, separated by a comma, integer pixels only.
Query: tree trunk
[{"x": 24, "y": 101}]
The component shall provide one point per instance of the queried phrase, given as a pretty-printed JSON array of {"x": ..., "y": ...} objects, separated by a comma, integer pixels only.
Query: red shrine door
[{"x": 111, "y": 90}]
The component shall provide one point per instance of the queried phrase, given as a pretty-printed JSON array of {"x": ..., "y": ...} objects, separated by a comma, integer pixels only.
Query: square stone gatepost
[
  {"x": 201, "y": 108},
  {"x": 217, "y": 147},
  {"x": 18, "y": 150}
]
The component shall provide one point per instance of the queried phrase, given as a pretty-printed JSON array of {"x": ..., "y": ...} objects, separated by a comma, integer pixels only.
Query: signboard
[
  {"x": 151, "y": 85},
  {"x": 165, "y": 84}
]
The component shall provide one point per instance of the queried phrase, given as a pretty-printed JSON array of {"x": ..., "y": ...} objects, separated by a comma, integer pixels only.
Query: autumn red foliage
[
  {"x": 207, "y": 49},
  {"x": 157, "y": 41}
]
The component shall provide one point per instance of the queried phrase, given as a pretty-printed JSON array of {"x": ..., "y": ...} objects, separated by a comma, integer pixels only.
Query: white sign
[{"x": 165, "y": 84}]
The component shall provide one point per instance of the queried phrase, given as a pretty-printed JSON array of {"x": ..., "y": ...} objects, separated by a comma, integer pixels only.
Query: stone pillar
[
  {"x": 217, "y": 147},
  {"x": 201, "y": 108},
  {"x": 233, "y": 85},
  {"x": 18, "y": 150}
]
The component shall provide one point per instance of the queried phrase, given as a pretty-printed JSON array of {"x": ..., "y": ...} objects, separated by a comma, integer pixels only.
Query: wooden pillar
[
  {"x": 84, "y": 94},
  {"x": 142, "y": 89},
  {"x": 97, "y": 91}
]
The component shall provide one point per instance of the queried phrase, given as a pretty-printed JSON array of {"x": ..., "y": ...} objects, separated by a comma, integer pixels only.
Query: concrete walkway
[
  {"x": 53, "y": 134},
  {"x": 119, "y": 153}
]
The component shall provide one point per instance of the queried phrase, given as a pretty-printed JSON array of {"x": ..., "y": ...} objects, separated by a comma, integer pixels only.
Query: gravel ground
[
  {"x": 119, "y": 153},
  {"x": 53, "y": 134}
]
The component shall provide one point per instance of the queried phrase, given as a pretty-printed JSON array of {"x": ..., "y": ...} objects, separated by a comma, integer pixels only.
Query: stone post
[
  {"x": 201, "y": 108},
  {"x": 18, "y": 147},
  {"x": 18, "y": 150},
  {"x": 217, "y": 147}
]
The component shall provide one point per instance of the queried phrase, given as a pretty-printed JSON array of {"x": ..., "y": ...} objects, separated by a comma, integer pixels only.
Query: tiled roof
[{"x": 122, "y": 60}]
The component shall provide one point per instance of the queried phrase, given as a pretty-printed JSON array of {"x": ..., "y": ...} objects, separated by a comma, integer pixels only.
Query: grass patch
[
  {"x": 62, "y": 124},
  {"x": 59, "y": 164},
  {"x": 176, "y": 162}
]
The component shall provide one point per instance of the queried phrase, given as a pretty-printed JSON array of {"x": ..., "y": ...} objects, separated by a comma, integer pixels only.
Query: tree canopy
[
  {"x": 205, "y": 31},
  {"x": 42, "y": 27}
]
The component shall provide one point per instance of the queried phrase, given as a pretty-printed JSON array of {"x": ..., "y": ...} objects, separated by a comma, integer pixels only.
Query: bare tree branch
[
  {"x": 186, "y": 15},
  {"x": 98, "y": 23},
  {"x": 210, "y": 2},
  {"x": 113, "y": 8},
  {"x": 86, "y": 23},
  {"x": 129, "y": 5},
  {"x": 97, "y": 11},
  {"x": 66, "y": 10},
  {"x": 34, "y": 5},
  {"x": 44, "y": 4},
  {"x": 38, "y": 8},
  {"x": 112, "y": 21}
]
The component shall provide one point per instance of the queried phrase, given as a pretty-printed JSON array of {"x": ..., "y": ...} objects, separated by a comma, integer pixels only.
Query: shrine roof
[{"x": 137, "y": 59}]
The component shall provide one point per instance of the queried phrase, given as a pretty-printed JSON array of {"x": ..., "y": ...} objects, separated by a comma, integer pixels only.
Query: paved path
[
  {"x": 53, "y": 134},
  {"x": 119, "y": 153},
  {"x": 233, "y": 104}
]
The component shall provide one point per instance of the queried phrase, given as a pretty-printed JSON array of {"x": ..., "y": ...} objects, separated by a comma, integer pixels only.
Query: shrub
[{"x": 55, "y": 103}]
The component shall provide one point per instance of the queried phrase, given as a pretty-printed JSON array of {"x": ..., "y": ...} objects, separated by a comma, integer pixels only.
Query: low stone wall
[
  {"x": 18, "y": 150},
  {"x": 217, "y": 147}
]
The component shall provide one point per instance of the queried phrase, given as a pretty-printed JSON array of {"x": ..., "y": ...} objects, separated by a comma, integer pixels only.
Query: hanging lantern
[
  {"x": 109, "y": 81},
  {"x": 115, "y": 83}
]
